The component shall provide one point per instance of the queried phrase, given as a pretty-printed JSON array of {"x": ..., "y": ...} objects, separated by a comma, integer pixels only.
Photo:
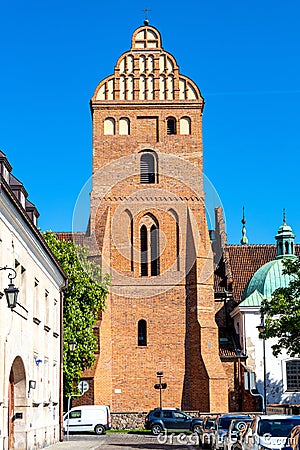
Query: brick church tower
[{"x": 149, "y": 225}]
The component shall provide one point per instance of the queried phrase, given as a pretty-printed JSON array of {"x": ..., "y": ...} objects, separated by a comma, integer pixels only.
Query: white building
[
  {"x": 31, "y": 332},
  {"x": 282, "y": 372}
]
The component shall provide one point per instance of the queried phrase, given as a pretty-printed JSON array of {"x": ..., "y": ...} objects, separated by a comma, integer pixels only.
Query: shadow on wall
[
  {"x": 195, "y": 395},
  {"x": 276, "y": 393}
]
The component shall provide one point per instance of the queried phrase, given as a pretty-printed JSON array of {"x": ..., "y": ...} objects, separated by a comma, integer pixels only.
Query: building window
[
  {"x": 144, "y": 251},
  {"x": 147, "y": 168},
  {"x": 142, "y": 333},
  {"x": 293, "y": 375},
  {"x": 149, "y": 246},
  {"x": 154, "y": 245},
  {"x": 286, "y": 248},
  {"x": 171, "y": 126}
]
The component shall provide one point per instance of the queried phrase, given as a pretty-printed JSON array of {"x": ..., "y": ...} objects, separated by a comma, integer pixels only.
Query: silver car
[{"x": 235, "y": 428}]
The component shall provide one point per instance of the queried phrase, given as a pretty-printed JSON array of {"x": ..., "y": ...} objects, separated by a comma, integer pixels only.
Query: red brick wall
[{"x": 178, "y": 305}]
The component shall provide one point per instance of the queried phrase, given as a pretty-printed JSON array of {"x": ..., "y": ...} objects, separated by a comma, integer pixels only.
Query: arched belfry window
[
  {"x": 144, "y": 250},
  {"x": 148, "y": 168},
  {"x": 154, "y": 245},
  {"x": 142, "y": 333},
  {"x": 171, "y": 125},
  {"x": 149, "y": 246}
]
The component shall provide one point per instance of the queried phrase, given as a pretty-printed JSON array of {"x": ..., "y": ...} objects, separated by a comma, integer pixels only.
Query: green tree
[
  {"x": 282, "y": 312},
  {"x": 84, "y": 296}
]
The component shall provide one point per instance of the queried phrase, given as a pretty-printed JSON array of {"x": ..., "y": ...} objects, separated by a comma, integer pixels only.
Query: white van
[
  {"x": 88, "y": 418},
  {"x": 269, "y": 432}
]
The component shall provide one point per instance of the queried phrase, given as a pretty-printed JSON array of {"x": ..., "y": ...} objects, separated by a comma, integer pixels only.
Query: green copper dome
[
  {"x": 264, "y": 282},
  {"x": 269, "y": 277}
]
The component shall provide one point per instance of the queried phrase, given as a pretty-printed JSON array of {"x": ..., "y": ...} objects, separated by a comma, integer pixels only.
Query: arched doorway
[{"x": 16, "y": 401}]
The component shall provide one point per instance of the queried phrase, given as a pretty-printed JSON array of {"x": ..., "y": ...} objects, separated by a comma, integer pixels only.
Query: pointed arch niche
[{"x": 175, "y": 238}]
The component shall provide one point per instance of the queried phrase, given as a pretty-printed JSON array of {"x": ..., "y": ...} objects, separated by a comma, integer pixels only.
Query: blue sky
[{"x": 244, "y": 56}]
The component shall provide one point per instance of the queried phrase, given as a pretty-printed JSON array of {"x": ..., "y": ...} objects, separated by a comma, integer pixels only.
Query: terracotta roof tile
[{"x": 240, "y": 263}]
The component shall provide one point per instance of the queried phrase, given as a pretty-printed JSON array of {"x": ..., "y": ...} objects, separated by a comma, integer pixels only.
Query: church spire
[
  {"x": 285, "y": 240},
  {"x": 244, "y": 240}
]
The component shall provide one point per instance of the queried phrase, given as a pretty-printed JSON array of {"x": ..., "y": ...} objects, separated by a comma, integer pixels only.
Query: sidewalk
[{"x": 72, "y": 444}]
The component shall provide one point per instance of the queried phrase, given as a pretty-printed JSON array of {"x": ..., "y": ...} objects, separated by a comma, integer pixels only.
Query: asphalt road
[{"x": 123, "y": 441}]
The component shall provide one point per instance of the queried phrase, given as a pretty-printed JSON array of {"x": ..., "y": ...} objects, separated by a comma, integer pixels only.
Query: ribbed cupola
[{"x": 285, "y": 240}]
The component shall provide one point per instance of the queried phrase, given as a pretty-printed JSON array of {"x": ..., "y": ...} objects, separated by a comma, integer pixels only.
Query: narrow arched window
[
  {"x": 171, "y": 126},
  {"x": 154, "y": 245},
  {"x": 280, "y": 248},
  {"x": 144, "y": 251},
  {"x": 286, "y": 248},
  {"x": 142, "y": 333},
  {"x": 147, "y": 168}
]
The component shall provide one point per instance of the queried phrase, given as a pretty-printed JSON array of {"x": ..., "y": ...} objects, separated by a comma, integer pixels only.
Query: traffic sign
[{"x": 83, "y": 386}]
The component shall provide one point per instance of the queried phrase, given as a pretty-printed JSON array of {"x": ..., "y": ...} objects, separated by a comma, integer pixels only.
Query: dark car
[
  {"x": 207, "y": 431},
  {"x": 159, "y": 420}
]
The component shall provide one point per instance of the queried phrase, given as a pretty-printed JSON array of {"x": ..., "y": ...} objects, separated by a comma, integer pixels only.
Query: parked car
[
  {"x": 235, "y": 428},
  {"x": 238, "y": 444},
  {"x": 221, "y": 428},
  {"x": 171, "y": 419},
  {"x": 208, "y": 426},
  {"x": 269, "y": 431},
  {"x": 293, "y": 440},
  {"x": 85, "y": 418}
]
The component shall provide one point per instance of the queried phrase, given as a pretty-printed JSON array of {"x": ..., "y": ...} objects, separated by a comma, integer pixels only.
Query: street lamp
[
  {"x": 261, "y": 329},
  {"x": 11, "y": 292},
  {"x": 160, "y": 386}
]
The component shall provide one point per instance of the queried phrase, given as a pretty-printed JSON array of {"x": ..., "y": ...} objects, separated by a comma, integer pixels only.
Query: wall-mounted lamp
[
  {"x": 31, "y": 385},
  {"x": 71, "y": 345},
  {"x": 11, "y": 292}
]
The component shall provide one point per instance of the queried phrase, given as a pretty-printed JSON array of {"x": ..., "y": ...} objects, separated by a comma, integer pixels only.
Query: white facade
[
  {"x": 30, "y": 334},
  {"x": 246, "y": 319}
]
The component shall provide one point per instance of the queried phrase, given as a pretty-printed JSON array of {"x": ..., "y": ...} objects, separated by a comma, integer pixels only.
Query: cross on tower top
[{"x": 146, "y": 11}]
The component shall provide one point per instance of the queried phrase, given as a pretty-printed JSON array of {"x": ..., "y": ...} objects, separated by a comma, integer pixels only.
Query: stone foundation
[{"x": 135, "y": 420}]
